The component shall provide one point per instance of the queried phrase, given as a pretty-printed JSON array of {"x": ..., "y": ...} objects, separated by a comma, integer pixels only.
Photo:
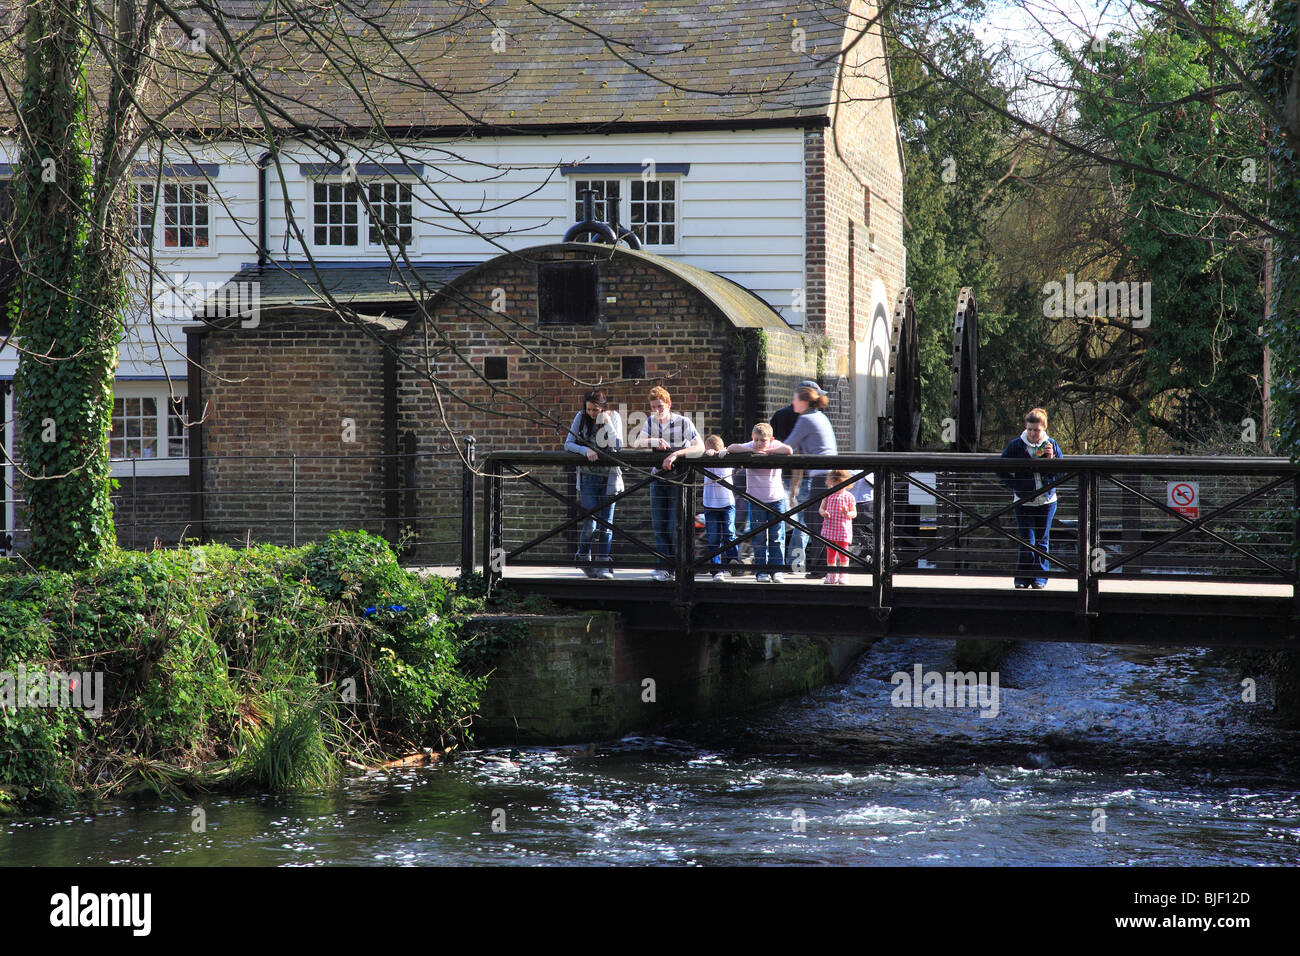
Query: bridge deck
[
  {"x": 1167, "y": 584},
  {"x": 1162, "y": 612}
]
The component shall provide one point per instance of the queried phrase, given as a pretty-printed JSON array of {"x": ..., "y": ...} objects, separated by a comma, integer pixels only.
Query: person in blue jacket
[{"x": 1034, "y": 509}]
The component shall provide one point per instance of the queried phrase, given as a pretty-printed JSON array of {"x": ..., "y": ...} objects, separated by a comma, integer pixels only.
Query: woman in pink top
[{"x": 838, "y": 511}]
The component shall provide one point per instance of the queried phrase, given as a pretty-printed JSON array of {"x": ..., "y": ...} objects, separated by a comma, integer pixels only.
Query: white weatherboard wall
[
  {"x": 741, "y": 213},
  {"x": 741, "y": 204}
]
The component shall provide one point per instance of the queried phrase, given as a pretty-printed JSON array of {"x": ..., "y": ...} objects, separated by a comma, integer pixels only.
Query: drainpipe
[{"x": 263, "y": 256}]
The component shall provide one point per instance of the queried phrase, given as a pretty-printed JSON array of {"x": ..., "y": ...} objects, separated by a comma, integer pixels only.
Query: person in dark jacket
[
  {"x": 596, "y": 427},
  {"x": 784, "y": 420},
  {"x": 1034, "y": 508}
]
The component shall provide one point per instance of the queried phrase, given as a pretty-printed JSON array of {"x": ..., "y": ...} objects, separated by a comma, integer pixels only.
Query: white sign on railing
[{"x": 1184, "y": 497}]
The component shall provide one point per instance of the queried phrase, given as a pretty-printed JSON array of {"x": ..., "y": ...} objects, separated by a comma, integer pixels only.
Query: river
[{"x": 1097, "y": 755}]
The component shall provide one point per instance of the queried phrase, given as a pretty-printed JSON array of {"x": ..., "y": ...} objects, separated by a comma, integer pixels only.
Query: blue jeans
[
  {"x": 742, "y": 503},
  {"x": 720, "y": 527},
  {"x": 663, "y": 516},
  {"x": 768, "y": 544},
  {"x": 797, "y": 538},
  {"x": 591, "y": 495},
  {"x": 1034, "y": 524}
]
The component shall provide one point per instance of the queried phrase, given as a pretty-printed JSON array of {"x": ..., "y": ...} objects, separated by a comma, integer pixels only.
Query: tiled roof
[
  {"x": 354, "y": 285},
  {"x": 513, "y": 63}
]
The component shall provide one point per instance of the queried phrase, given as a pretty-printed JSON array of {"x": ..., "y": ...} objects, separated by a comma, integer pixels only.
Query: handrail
[
  {"x": 926, "y": 461},
  {"x": 1087, "y": 475}
]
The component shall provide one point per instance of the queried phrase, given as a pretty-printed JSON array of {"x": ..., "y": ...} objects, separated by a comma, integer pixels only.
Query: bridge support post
[
  {"x": 493, "y": 555},
  {"x": 1089, "y": 541},
  {"x": 882, "y": 510},
  {"x": 467, "y": 509},
  {"x": 685, "y": 540}
]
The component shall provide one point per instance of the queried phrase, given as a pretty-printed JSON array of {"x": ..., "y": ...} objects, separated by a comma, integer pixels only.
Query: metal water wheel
[
  {"x": 902, "y": 430},
  {"x": 964, "y": 404}
]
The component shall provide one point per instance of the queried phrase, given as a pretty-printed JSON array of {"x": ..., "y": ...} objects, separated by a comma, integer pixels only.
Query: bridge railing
[{"x": 1118, "y": 517}]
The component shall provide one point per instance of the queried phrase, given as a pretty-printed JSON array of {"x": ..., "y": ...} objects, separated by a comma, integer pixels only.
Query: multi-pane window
[
  {"x": 390, "y": 213},
  {"x": 135, "y": 428},
  {"x": 646, "y": 206},
  {"x": 338, "y": 213},
  {"x": 607, "y": 191},
  {"x": 140, "y": 431},
  {"x": 185, "y": 215},
  {"x": 334, "y": 214},
  {"x": 178, "y": 436},
  {"x": 142, "y": 213},
  {"x": 654, "y": 211}
]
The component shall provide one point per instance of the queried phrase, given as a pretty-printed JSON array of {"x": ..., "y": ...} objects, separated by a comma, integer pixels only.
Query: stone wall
[{"x": 580, "y": 677}]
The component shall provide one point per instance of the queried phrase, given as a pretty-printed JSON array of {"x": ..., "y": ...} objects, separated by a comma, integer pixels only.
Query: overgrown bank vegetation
[{"x": 265, "y": 668}]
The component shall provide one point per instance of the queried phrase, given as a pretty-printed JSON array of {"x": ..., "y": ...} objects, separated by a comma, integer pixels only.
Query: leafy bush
[{"x": 260, "y": 667}]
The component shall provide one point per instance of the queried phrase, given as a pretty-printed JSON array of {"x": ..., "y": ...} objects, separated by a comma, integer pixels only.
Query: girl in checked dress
[{"x": 838, "y": 511}]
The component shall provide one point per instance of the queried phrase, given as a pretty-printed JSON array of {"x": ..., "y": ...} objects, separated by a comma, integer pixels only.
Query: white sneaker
[
  {"x": 778, "y": 578},
  {"x": 720, "y": 577},
  {"x": 762, "y": 578}
]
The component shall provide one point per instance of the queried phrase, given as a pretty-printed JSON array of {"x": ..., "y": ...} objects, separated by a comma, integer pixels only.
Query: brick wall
[
  {"x": 688, "y": 346},
  {"x": 861, "y": 152},
  {"x": 149, "y": 509},
  {"x": 856, "y": 157},
  {"x": 286, "y": 388},
  {"x": 793, "y": 357}
]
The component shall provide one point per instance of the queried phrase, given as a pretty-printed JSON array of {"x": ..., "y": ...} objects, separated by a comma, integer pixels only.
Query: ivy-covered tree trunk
[{"x": 68, "y": 309}]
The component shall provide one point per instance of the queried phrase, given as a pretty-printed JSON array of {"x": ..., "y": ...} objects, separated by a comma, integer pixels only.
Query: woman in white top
[{"x": 765, "y": 485}]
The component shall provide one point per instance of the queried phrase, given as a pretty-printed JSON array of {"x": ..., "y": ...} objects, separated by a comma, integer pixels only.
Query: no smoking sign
[{"x": 1184, "y": 497}]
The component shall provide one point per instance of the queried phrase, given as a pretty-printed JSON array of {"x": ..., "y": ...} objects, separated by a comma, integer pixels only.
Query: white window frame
[
  {"x": 625, "y": 181},
  {"x": 163, "y": 463},
  {"x": 364, "y": 246},
  {"x": 160, "y": 228},
  {"x": 137, "y": 220}
]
